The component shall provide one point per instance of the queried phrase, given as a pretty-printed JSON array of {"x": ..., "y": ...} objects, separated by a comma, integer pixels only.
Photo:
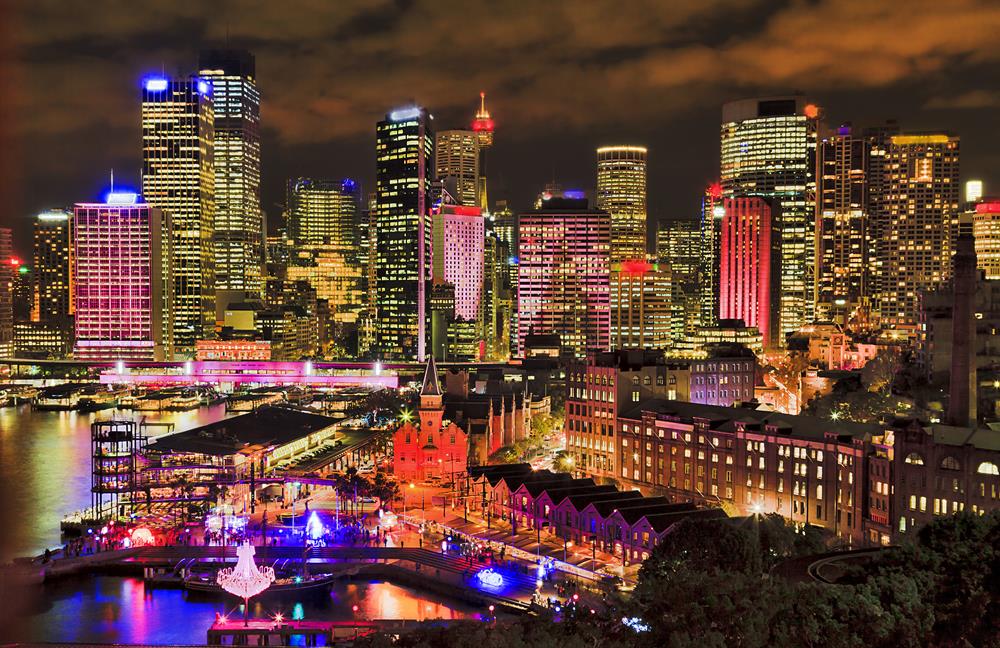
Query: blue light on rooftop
[
  {"x": 574, "y": 194},
  {"x": 203, "y": 87},
  {"x": 155, "y": 84},
  {"x": 122, "y": 198},
  {"x": 402, "y": 114}
]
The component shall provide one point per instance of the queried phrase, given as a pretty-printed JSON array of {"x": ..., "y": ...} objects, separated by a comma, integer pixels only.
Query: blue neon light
[
  {"x": 489, "y": 578},
  {"x": 405, "y": 113},
  {"x": 156, "y": 84},
  {"x": 348, "y": 186},
  {"x": 575, "y": 194},
  {"x": 203, "y": 87}
]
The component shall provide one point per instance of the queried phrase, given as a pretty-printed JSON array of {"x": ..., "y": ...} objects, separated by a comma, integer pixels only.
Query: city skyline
[{"x": 939, "y": 83}]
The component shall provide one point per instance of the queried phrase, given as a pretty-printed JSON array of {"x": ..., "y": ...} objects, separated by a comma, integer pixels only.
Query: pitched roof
[
  {"x": 537, "y": 488},
  {"x": 580, "y": 502},
  {"x": 663, "y": 521},
  {"x": 633, "y": 514},
  {"x": 606, "y": 508},
  {"x": 430, "y": 386}
]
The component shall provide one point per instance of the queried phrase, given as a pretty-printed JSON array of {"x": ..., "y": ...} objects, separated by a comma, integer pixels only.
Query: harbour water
[
  {"x": 108, "y": 609},
  {"x": 45, "y": 467}
]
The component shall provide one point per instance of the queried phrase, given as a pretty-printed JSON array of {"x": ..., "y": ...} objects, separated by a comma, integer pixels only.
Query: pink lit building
[
  {"x": 123, "y": 280},
  {"x": 564, "y": 275},
  {"x": 748, "y": 273},
  {"x": 459, "y": 239}
]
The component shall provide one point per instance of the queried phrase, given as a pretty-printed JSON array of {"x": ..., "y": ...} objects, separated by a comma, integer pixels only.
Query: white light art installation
[{"x": 246, "y": 579}]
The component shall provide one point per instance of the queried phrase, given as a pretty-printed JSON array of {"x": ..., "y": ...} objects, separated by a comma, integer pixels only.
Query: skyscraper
[
  {"x": 124, "y": 284},
  {"x": 8, "y": 264},
  {"x": 483, "y": 125},
  {"x": 621, "y": 191},
  {"x": 986, "y": 230},
  {"x": 456, "y": 162},
  {"x": 403, "y": 154},
  {"x": 749, "y": 268},
  {"x": 712, "y": 212},
  {"x": 679, "y": 258},
  {"x": 641, "y": 306},
  {"x": 238, "y": 232},
  {"x": 459, "y": 237},
  {"x": 564, "y": 275},
  {"x": 769, "y": 151},
  {"x": 178, "y": 177},
  {"x": 53, "y": 258},
  {"x": 918, "y": 221},
  {"x": 842, "y": 238},
  {"x": 323, "y": 212}
]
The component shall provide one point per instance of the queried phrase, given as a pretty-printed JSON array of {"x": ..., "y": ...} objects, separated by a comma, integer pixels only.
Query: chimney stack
[{"x": 962, "y": 387}]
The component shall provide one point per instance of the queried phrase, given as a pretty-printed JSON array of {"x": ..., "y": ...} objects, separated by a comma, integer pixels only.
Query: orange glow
[{"x": 812, "y": 111}]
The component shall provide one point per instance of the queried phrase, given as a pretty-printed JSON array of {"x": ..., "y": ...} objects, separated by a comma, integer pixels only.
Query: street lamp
[
  {"x": 566, "y": 545},
  {"x": 354, "y": 609}
]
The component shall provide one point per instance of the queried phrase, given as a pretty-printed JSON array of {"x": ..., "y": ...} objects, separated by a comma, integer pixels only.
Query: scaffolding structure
[{"x": 116, "y": 449}]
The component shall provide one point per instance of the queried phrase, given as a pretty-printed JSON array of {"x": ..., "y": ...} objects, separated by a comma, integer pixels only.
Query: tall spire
[
  {"x": 482, "y": 113},
  {"x": 430, "y": 386}
]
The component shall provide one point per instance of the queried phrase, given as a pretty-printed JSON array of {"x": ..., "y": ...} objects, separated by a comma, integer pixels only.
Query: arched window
[
  {"x": 988, "y": 468},
  {"x": 915, "y": 459},
  {"x": 950, "y": 463}
]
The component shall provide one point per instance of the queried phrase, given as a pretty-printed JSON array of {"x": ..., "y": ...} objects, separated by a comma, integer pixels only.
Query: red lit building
[
  {"x": 749, "y": 274},
  {"x": 233, "y": 350},
  {"x": 434, "y": 447}
]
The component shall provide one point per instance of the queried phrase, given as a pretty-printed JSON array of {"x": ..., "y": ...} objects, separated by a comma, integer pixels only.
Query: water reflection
[
  {"x": 45, "y": 463},
  {"x": 111, "y": 609}
]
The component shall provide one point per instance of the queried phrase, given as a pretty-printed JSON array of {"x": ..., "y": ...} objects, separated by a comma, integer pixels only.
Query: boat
[
  {"x": 98, "y": 397},
  {"x": 187, "y": 399},
  {"x": 62, "y": 397},
  {"x": 283, "y": 585}
]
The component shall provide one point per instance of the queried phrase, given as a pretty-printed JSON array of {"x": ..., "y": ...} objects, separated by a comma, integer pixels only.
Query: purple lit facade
[
  {"x": 123, "y": 280},
  {"x": 459, "y": 239}
]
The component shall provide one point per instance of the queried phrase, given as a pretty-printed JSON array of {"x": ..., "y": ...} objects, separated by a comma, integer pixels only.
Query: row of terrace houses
[{"x": 577, "y": 510}]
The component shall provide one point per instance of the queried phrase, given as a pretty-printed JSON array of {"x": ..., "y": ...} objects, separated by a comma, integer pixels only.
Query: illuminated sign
[
  {"x": 404, "y": 113},
  {"x": 903, "y": 140},
  {"x": 203, "y": 87},
  {"x": 718, "y": 211},
  {"x": 156, "y": 84},
  {"x": 53, "y": 216},
  {"x": 122, "y": 198}
]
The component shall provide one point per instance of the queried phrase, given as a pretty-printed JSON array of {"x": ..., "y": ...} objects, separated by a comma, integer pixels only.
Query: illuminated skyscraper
[
  {"x": 641, "y": 306},
  {"x": 748, "y": 272},
  {"x": 404, "y": 152},
  {"x": 456, "y": 161},
  {"x": 986, "y": 230},
  {"x": 679, "y": 260},
  {"x": 564, "y": 275},
  {"x": 123, "y": 280},
  {"x": 238, "y": 233},
  {"x": 483, "y": 125},
  {"x": 918, "y": 222},
  {"x": 712, "y": 212},
  {"x": 8, "y": 265},
  {"x": 459, "y": 236},
  {"x": 769, "y": 151},
  {"x": 842, "y": 237},
  {"x": 323, "y": 212},
  {"x": 503, "y": 223},
  {"x": 621, "y": 191},
  {"x": 178, "y": 177},
  {"x": 54, "y": 281}
]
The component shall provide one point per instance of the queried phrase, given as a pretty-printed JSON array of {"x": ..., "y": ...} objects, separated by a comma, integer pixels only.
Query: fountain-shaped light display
[{"x": 246, "y": 579}]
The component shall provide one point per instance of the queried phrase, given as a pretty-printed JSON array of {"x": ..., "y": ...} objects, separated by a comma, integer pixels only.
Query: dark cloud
[{"x": 562, "y": 77}]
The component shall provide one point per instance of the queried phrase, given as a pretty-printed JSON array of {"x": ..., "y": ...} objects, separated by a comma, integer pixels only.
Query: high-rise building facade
[
  {"x": 323, "y": 212},
  {"x": 679, "y": 255},
  {"x": 8, "y": 264},
  {"x": 239, "y": 230},
  {"x": 178, "y": 177},
  {"x": 456, "y": 164},
  {"x": 986, "y": 231},
  {"x": 459, "y": 238},
  {"x": 53, "y": 258},
  {"x": 712, "y": 212},
  {"x": 769, "y": 151},
  {"x": 919, "y": 209},
  {"x": 621, "y": 191},
  {"x": 843, "y": 244},
  {"x": 749, "y": 267},
  {"x": 564, "y": 271},
  {"x": 404, "y": 153},
  {"x": 641, "y": 306},
  {"x": 123, "y": 280}
]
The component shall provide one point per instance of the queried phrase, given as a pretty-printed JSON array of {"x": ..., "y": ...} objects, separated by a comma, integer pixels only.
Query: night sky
[{"x": 561, "y": 79}]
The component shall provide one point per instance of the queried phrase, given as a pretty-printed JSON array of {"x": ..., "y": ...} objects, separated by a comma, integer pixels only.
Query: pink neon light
[
  {"x": 745, "y": 267},
  {"x": 991, "y": 207}
]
